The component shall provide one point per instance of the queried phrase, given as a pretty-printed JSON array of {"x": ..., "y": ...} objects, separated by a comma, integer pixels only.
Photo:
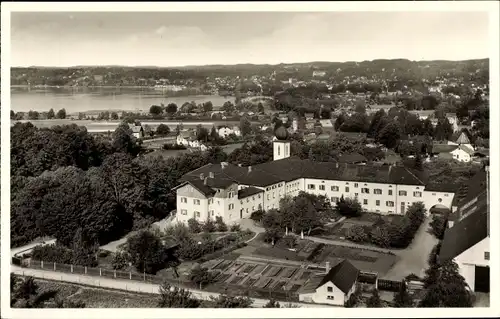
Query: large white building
[
  {"x": 467, "y": 240},
  {"x": 234, "y": 192}
]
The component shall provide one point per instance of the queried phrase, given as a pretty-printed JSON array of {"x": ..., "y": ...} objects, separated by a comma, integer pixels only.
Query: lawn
[{"x": 339, "y": 231}]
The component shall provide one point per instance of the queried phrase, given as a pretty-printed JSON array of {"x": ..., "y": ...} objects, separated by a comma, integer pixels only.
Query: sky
[{"x": 202, "y": 38}]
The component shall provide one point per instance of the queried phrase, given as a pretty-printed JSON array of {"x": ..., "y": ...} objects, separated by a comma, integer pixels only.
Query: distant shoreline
[{"x": 24, "y": 86}]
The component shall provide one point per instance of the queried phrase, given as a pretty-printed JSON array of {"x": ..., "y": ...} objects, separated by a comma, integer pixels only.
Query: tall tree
[
  {"x": 245, "y": 126},
  {"x": 390, "y": 135},
  {"x": 51, "y": 114},
  {"x": 402, "y": 298},
  {"x": 124, "y": 141},
  {"x": 171, "y": 108},
  {"x": 61, "y": 114}
]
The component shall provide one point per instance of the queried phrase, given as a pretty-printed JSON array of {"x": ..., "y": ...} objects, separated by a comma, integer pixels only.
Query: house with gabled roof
[
  {"x": 460, "y": 150},
  {"x": 467, "y": 240},
  {"x": 333, "y": 288}
]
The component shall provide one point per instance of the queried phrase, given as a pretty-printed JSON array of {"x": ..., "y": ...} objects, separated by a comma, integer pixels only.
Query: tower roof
[{"x": 463, "y": 139}]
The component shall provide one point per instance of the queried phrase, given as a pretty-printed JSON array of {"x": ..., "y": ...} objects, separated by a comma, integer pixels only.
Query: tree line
[{"x": 63, "y": 179}]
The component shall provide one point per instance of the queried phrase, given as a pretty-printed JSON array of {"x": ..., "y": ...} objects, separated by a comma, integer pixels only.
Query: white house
[
  {"x": 137, "y": 131},
  {"x": 467, "y": 242},
  {"x": 460, "y": 150},
  {"x": 333, "y": 288},
  {"x": 225, "y": 131}
]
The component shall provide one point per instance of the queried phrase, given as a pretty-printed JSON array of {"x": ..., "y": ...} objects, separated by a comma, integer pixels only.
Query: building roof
[
  {"x": 352, "y": 158},
  {"x": 343, "y": 276},
  {"x": 463, "y": 139},
  {"x": 443, "y": 148},
  {"x": 136, "y": 129},
  {"x": 469, "y": 190},
  {"x": 249, "y": 191},
  {"x": 208, "y": 186},
  {"x": 293, "y": 168},
  {"x": 442, "y": 187},
  {"x": 466, "y": 232}
]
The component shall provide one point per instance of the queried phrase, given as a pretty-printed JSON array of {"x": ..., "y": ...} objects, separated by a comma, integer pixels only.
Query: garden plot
[
  {"x": 279, "y": 285},
  {"x": 257, "y": 271},
  {"x": 234, "y": 267},
  {"x": 273, "y": 271},
  {"x": 287, "y": 272},
  {"x": 247, "y": 269},
  {"x": 263, "y": 282},
  {"x": 250, "y": 282},
  {"x": 211, "y": 264},
  {"x": 223, "y": 265}
]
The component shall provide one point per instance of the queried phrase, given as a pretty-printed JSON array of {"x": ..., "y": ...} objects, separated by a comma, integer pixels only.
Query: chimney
[
  {"x": 223, "y": 165},
  {"x": 211, "y": 174},
  {"x": 202, "y": 176},
  {"x": 327, "y": 270},
  {"x": 205, "y": 181},
  {"x": 337, "y": 165},
  {"x": 249, "y": 169}
]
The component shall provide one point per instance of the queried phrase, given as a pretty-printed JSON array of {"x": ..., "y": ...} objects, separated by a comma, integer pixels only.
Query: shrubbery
[
  {"x": 120, "y": 260},
  {"x": 397, "y": 234},
  {"x": 60, "y": 254},
  {"x": 349, "y": 207},
  {"x": 438, "y": 226}
]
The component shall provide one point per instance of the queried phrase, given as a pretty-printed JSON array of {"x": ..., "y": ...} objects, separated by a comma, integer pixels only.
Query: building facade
[{"x": 234, "y": 192}]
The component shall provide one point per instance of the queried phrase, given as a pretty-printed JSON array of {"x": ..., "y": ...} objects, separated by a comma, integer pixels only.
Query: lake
[{"x": 76, "y": 100}]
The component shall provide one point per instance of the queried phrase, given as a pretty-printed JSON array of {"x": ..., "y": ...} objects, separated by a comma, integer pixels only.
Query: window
[
  {"x": 268, "y": 197},
  {"x": 258, "y": 196},
  {"x": 329, "y": 297},
  {"x": 446, "y": 195},
  {"x": 213, "y": 213},
  {"x": 184, "y": 200},
  {"x": 231, "y": 194},
  {"x": 218, "y": 202},
  {"x": 402, "y": 193},
  {"x": 231, "y": 206},
  {"x": 311, "y": 186},
  {"x": 210, "y": 200},
  {"x": 321, "y": 187},
  {"x": 355, "y": 184},
  {"x": 365, "y": 191},
  {"x": 417, "y": 194},
  {"x": 184, "y": 212},
  {"x": 329, "y": 289},
  {"x": 365, "y": 201},
  {"x": 347, "y": 189},
  {"x": 433, "y": 194},
  {"x": 248, "y": 199},
  {"x": 377, "y": 202},
  {"x": 335, "y": 188},
  {"x": 356, "y": 194},
  {"x": 334, "y": 199},
  {"x": 403, "y": 208},
  {"x": 197, "y": 202},
  {"x": 389, "y": 203},
  {"x": 487, "y": 255},
  {"x": 241, "y": 202},
  {"x": 274, "y": 196},
  {"x": 377, "y": 191},
  {"x": 390, "y": 192},
  {"x": 197, "y": 214}
]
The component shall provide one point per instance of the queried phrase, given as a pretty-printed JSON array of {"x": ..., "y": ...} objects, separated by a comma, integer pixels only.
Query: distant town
[{"x": 356, "y": 184}]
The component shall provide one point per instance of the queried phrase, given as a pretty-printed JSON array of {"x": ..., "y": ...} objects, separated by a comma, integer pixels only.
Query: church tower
[{"x": 281, "y": 146}]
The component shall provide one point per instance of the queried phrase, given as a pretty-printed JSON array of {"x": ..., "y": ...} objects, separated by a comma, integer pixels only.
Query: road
[
  {"x": 27, "y": 248},
  {"x": 414, "y": 258},
  {"x": 133, "y": 286}
]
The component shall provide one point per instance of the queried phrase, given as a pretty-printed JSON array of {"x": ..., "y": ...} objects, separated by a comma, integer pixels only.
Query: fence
[
  {"x": 107, "y": 273},
  {"x": 389, "y": 285},
  {"x": 217, "y": 287}
]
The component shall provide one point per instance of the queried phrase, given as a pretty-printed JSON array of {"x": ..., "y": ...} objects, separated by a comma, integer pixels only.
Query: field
[
  {"x": 258, "y": 278},
  {"x": 99, "y": 298}
]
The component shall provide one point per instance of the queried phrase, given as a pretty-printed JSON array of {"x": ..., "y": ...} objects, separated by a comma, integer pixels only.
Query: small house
[
  {"x": 137, "y": 131},
  {"x": 334, "y": 288}
]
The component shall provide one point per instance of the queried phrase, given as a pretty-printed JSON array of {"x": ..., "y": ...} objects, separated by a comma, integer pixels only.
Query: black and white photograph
[{"x": 284, "y": 155}]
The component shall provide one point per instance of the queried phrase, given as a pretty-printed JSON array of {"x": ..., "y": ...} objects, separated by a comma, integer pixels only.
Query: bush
[
  {"x": 380, "y": 236},
  {"x": 147, "y": 252},
  {"x": 53, "y": 253},
  {"x": 257, "y": 215},
  {"x": 374, "y": 301},
  {"x": 120, "y": 260},
  {"x": 209, "y": 226},
  {"x": 235, "y": 227},
  {"x": 220, "y": 225},
  {"x": 349, "y": 207},
  {"x": 173, "y": 147},
  {"x": 103, "y": 253},
  {"x": 194, "y": 226},
  {"x": 201, "y": 276},
  {"x": 288, "y": 241},
  {"x": 357, "y": 234},
  {"x": 438, "y": 226}
]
